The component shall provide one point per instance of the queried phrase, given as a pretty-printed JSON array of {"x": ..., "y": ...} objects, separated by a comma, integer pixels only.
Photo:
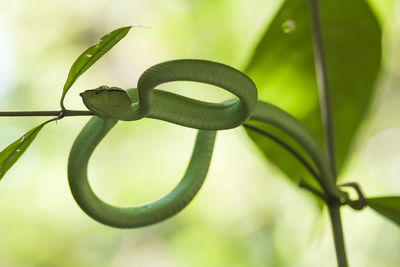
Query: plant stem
[
  {"x": 296, "y": 154},
  {"x": 327, "y": 121},
  {"x": 322, "y": 78},
  {"x": 29, "y": 113},
  {"x": 285, "y": 145},
  {"x": 312, "y": 190},
  {"x": 336, "y": 221}
]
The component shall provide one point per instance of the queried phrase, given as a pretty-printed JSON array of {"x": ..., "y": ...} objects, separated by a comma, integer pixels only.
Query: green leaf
[
  {"x": 13, "y": 152},
  {"x": 305, "y": 143},
  {"x": 386, "y": 206},
  {"x": 282, "y": 67},
  {"x": 91, "y": 55},
  {"x": 108, "y": 102}
]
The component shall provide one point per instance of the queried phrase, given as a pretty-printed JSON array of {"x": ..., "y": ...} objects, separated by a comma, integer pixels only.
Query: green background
[{"x": 247, "y": 214}]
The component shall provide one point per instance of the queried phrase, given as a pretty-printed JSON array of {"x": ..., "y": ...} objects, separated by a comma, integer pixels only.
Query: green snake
[
  {"x": 162, "y": 105},
  {"x": 113, "y": 104}
]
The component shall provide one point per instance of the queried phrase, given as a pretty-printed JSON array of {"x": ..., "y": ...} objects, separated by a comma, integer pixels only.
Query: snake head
[{"x": 109, "y": 103}]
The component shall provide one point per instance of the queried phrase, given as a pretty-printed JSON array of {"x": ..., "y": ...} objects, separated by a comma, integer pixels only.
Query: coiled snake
[{"x": 144, "y": 101}]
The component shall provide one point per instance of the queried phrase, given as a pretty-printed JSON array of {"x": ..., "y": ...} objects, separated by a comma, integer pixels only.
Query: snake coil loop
[{"x": 157, "y": 104}]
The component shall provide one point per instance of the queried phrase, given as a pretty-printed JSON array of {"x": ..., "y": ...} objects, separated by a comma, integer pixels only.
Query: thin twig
[
  {"x": 336, "y": 221},
  {"x": 30, "y": 113},
  {"x": 314, "y": 191},
  {"x": 323, "y": 85},
  {"x": 361, "y": 202},
  {"x": 327, "y": 121},
  {"x": 286, "y": 146}
]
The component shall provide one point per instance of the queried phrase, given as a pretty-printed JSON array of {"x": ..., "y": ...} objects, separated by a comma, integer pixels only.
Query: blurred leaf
[
  {"x": 386, "y": 206},
  {"x": 91, "y": 55},
  {"x": 290, "y": 126},
  {"x": 108, "y": 102},
  {"x": 13, "y": 152},
  {"x": 282, "y": 67}
]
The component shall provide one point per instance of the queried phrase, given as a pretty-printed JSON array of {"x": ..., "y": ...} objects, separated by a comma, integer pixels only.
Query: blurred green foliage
[
  {"x": 387, "y": 206},
  {"x": 243, "y": 216},
  {"x": 282, "y": 67}
]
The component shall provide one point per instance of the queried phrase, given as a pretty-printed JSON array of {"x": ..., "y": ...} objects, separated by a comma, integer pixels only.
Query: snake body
[
  {"x": 122, "y": 217},
  {"x": 144, "y": 101},
  {"x": 157, "y": 104}
]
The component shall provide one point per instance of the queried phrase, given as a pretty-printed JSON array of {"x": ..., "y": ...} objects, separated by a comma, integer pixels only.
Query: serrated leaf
[
  {"x": 282, "y": 67},
  {"x": 386, "y": 206},
  {"x": 108, "y": 102},
  {"x": 91, "y": 55},
  {"x": 10, "y": 155}
]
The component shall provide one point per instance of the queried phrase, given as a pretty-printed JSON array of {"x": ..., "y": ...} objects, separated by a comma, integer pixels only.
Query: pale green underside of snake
[{"x": 112, "y": 104}]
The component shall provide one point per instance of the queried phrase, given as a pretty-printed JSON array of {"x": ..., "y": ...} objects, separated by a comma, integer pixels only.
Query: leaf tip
[{"x": 141, "y": 26}]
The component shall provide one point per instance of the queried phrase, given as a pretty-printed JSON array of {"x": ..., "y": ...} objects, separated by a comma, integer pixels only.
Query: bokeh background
[{"x": 247, "y": 213}]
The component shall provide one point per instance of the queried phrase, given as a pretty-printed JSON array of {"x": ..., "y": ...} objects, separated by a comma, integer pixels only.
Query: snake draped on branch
[{"x": 111, "y": 105}]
